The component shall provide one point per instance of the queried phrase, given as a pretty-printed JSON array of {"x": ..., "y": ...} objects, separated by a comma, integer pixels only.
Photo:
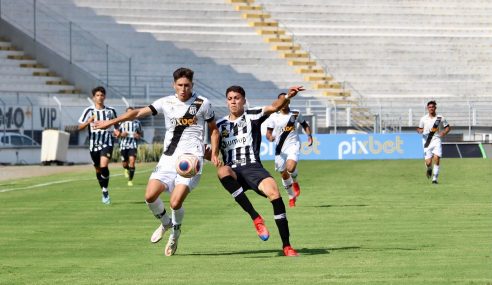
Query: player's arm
[
  {"x": 269, "y": 134},
  {"x": 445, "y": 131},
  {"x": 309, "y": 133},
  {"x": 129, "y": 115},
  {"x": 280, "y": 102},
  {"x": 214, "y": 141},
  {"x": 420, "y": 128},
  {"x": 86, "y": 123}
]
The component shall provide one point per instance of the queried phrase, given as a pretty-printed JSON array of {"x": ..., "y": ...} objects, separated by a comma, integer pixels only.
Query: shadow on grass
[
  {"x": 333, "y": 206},
  {"x": 302, "y": 251}
]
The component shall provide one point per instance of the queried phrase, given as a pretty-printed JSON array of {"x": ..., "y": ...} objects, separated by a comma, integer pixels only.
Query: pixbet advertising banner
[{"x": 354, "y": 147}]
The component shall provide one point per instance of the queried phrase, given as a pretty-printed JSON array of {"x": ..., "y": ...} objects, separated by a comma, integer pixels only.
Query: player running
[
  {"x": 282, "y": 128},
  {"x": 185, "y": 116},
  {"x": 240, "y": 139},
  {"x": 433, "y": 127},
  {"x": 100, "y": 141},
  {"x": 130, "y": 133}
]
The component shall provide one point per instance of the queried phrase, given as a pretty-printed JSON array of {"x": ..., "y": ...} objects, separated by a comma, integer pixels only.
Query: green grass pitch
[{"x": 357, "y": 222}]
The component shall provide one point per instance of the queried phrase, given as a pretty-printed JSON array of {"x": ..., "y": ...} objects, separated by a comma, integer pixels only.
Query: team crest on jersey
[
  {"x": 192, "y": 110},
  {"x": 225, "y": 133}
]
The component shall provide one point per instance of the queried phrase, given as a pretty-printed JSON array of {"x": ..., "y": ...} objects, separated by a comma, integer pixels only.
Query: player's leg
[
  {"x": 178, "y": 195},
  {"x": 428, "y": 162},
  {"x": 228, "y": 178},
  {"x": 106, "y": 154},
  {"x": 280, "y": 163},
  {"x": 154, "y": 188},
  {"x": 124, "y": 162},
  {"x": 96, "y": 159},
  {"x": 131, "y": 167},
  {"x": 269, "y": 187},
  {"x": 436, "y": 158},
  {"x": 291, "y": 167}
]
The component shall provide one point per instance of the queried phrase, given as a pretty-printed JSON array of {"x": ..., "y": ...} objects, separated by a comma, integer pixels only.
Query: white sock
[
  {"x": 288, "y": 187},
  {"x": 157, "y": 208},
  {"x": 436, "y": 172},
  {"x": 177, "y": 217},
  {"x": 294, "y": 175},
  {"x": 104, "y": 189}
]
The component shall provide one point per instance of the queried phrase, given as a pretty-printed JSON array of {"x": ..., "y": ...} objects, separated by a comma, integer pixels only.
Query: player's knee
[
  {"x": 175, "y": 204},
  {"x": 105, "y": 172},
  {"x": 224, "y": 171}
]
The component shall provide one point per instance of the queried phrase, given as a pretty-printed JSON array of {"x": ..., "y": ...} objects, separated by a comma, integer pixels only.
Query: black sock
[
  {"x": 99, "y": 179},
  {"x": 281, "y": 220},
  {"x": 105, "y": 177},
  {"x": 231, "y": 185},
  {"x": 131, "y": 173}
]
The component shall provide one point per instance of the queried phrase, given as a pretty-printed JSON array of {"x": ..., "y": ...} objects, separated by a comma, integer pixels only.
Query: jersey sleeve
[
  {"x": 270, "y": 122},
  {"x": 208, "y": 111},
  {"x": 421, "y": 123},
  {"x": 85, "y": 115},
  {"x": 158, "y": 106},
  {"x": 444, "y": 123},
  {"x": 300, "y": 119}
]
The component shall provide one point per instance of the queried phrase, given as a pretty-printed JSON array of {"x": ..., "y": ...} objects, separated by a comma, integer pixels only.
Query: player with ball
[{"x": 179, "y": 168}]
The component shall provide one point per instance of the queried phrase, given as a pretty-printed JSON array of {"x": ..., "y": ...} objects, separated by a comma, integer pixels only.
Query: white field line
[{"x": 60, "y": 182}]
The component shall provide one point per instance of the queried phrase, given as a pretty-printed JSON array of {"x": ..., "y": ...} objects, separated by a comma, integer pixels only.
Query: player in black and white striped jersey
[
  {"x": 282, "y": 129},
  {"x": 100, "y": 141},
  {"x": 185, "y": 114},
  {"x": 130, "y": 133},
  {"x": 240, "y": 140}
]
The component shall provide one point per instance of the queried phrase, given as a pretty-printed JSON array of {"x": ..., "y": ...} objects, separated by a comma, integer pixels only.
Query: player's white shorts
[
  {"x": 290, "y": 152},
  {"x": 434, "y": 148},
  {"x": 165, "y": 171}
]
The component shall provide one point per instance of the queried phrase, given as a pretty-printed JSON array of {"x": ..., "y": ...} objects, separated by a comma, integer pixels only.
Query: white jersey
[
  {"x": 427, "y": 123},
  {"x": 98, "y": 138},
  {"x": 240, "y": 139},
  {"x": 184, "y": 122},
  {"x": 285, "y": 129},
  {"x": 130, "y": 127}
]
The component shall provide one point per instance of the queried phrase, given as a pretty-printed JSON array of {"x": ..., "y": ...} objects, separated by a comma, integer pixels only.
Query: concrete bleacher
[
  {"x": 208, "y": 36},
  {"x": 21, "y": 73}
]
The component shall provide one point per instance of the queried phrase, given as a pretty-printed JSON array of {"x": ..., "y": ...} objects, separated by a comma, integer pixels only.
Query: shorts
[
  {"x": 290, "y": 153},
  {"x": 165, "y": 171},
  {"x": 126, "y": 153},
  {"x": 96, "y": 155},
  {"x": 434, "y": 148},
  {"x": 251, "y": 175}
]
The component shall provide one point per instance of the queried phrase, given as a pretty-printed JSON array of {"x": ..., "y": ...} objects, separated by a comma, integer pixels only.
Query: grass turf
[{"x": 371, "y": 222}]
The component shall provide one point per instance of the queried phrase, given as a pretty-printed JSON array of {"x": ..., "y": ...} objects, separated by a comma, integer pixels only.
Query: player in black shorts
[
  {"x": 130, "y": 133},
  {"x": 240, "y": 139},
  {"x": 100, "y": 141}
]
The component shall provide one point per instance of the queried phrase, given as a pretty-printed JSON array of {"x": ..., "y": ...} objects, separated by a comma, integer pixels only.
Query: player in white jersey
[
  {"x": 185, "y": 114},
  {"x": 130, "y": 133},
  {"x": 282, "y": 128},
  {"x": 433, "y": 127},
  {"x": 240, "y": 140},
  {"x": 100, "y": 141}
]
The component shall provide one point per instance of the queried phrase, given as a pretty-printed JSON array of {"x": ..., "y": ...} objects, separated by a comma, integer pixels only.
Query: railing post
[
  {"x": 130, "y": 78},
  {"x": 107, "y": 66},
  {"x": 34, "y": 19},
  {"x": 70, "y": 41}
]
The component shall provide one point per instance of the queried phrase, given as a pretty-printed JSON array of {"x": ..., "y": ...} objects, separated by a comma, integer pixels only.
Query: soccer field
[{"x": 371, "y": 222}]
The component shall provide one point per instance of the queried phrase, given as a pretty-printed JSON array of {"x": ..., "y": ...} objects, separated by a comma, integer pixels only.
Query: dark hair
[
  {"x": 237, "y": 89},
  {"x": 98, "y": 89},
  {"x": 130, "y": 108},
  {"x": 183, "y": 72},
  {"x": 431, "y": 103},
  {"x": 281, "y": 94}
]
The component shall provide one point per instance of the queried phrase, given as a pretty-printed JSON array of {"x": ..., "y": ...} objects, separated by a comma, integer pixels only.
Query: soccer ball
[{"x": 188, "y": 165}]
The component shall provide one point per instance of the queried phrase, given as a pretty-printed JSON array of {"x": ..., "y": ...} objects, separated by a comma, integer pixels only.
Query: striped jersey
[
  {"x": 240, "y": 139},
  {"x": 285, "y": 129},
  {"x": 184, "y": 122},
  {"x": 130, "y": 127},
  {"x": 98, "y": 138},
  {"x": 427, "y": 123}
]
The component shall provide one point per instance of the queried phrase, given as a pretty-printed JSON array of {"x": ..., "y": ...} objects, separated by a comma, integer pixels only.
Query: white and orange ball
[{"x": 188, "y": 165}]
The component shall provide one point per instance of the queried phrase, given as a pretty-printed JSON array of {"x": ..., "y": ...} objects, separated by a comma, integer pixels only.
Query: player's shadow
[
  {"x": 339, "y": 206},
  {"x": 302, "y": 251}
]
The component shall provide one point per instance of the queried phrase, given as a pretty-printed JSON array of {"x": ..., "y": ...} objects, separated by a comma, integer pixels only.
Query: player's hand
[
  {"x": 136, "y": 136},
  {"x": 124, "y": 134},
  {"x": 294, "y": 90},
  {"x": 216, "y": 160},
  {"x": 116, "y": 133},
  {"x": 102, "y": 124},
  {"x": 272, "y": 139},
  {"x": 310, "y": 140}
]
